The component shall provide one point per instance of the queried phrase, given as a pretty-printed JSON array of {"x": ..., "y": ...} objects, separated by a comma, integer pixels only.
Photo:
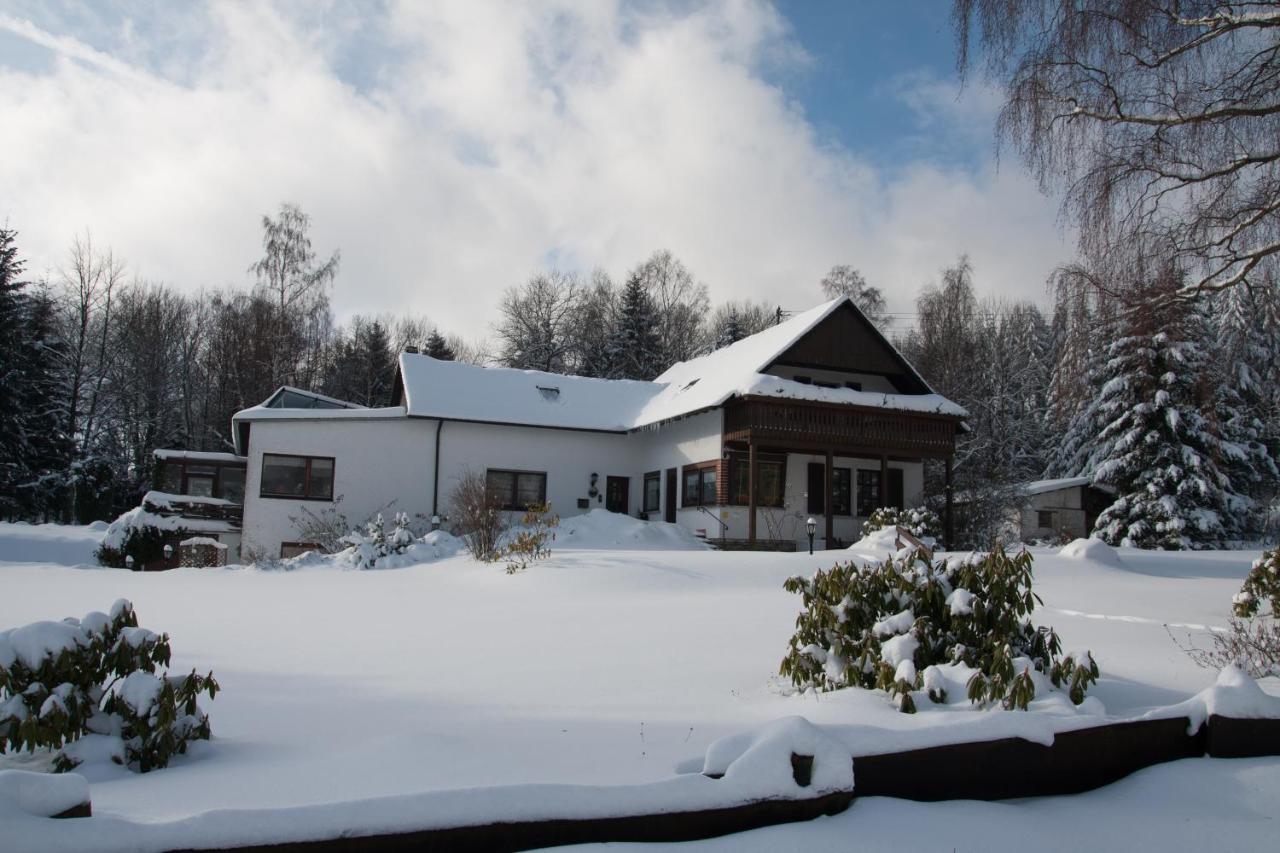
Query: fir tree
[
  {"x": 731, "y": 332},
  {"x": 44, "y": 402},
  {"x": 1155, "y": 447},
  {"x": 13, "y": 347},
  {"x": 438, "y": 347},
  {"x": 635, "y": 350}
]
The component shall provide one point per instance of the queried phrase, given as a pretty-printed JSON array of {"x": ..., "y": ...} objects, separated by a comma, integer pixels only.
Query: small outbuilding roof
[{"x": 1040, "y": 487}]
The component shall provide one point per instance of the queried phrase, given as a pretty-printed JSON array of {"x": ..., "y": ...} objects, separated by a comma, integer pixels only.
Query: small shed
[{"x": 1067, "y": 506}]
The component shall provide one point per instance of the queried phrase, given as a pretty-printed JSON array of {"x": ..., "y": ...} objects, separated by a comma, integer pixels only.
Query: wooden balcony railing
[
  {"x": 802, "y": 425},
  {"x": 190, "y": 506}
]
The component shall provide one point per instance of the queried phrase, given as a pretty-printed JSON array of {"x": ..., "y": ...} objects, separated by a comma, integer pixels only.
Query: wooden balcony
[
  {"x": 196, "y": 508},
  {"x": 798, "y": 425}
]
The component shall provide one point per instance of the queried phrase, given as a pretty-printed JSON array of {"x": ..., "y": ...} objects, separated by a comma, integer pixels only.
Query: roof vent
[
  {"x": 691, "y": 383},
  {"x": 550, "y": 393}
]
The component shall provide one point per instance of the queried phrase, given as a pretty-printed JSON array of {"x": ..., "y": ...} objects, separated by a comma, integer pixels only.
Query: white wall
[
  {"x": 568, "y": 459},
  {"x": 376, "y": 461}
]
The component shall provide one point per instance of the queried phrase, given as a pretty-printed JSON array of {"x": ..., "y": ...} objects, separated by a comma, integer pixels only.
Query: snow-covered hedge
[
  {"x": 918, "y": 629},
  {"x": 97, "y": 676},
  {"x": 141, "y": 534},
  {"x": 918, "y": 521}
]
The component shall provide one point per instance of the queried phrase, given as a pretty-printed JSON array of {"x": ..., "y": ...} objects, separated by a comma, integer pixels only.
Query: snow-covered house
[{"x": 818, "y": 417}]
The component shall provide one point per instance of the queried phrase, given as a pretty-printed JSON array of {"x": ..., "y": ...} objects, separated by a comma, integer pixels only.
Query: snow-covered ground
[{"x": 617, "y": 661}]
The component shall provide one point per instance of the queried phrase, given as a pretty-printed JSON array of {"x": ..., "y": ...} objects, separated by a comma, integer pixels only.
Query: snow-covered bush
[
  {"x": 60, "y": 681},
  {"x": 374, "y": 543},
  {"x": 907, "y": 625},
  {"x": 140, "y": 534},
  {"x": 918, "y": 521},
  {"x": 326, "y": 529},
  {"x": 1252, "y": 641},
  {"x": 531, "y": 540},
  {"x": 478, "y": 516}
]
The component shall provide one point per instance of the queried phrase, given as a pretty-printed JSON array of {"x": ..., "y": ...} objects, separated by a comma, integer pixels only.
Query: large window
[
  {"x": 771, "y": 476},
  {"x": 302, "y": 477},
  {"x": 700, "y": 486},
  {"x": 841, "y": 490},
  {"x": 516, "y": 490},
  {"x": 652, "y": 491}
]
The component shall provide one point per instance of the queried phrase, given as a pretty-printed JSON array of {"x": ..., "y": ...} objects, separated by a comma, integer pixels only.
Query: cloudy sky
[{"x": 451, "y": 149}]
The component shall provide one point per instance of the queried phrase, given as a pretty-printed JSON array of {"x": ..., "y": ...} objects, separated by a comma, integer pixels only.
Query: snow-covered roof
[
  {"x": 455, "y": 391},
  {"x": 262, "y": 413},
  {"x": 1040, "y": 487},
  {"x": 465, "y": 392},
  {"x": 197, "y": 456}
]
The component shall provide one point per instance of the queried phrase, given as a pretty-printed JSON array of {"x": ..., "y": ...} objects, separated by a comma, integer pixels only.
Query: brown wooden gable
[{"x": 847, "y": 341}]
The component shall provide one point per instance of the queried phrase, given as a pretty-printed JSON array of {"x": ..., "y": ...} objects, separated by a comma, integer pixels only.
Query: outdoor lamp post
[
  {"x": 435, "y": 522},
  {"x": 812, "y": 527},
  {"x": 128, "y": 562},
  {"x": 168, "y": 553}
]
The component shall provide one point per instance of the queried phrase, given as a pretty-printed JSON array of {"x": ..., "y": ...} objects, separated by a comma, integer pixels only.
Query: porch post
[
  {"x": 751, "y": 491},
  {"x": 883, "y": 497},
  {"x": 830, "y": 489},
  {"x": 948, "y": 524}
]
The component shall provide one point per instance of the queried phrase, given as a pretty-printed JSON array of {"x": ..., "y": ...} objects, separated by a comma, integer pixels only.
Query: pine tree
[
  {"x": 13, "y": 348},
  {"x": 44, "y": 402},
  {"x": 438, "y": 347},
  {"x": 731, "y": 332},
  {"x": 1156, "y": 448},
  {"x": 635, "y": 349},
  {"x": 1240, "y": 405}
]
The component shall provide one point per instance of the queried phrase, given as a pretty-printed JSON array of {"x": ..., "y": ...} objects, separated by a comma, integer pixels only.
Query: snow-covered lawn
[{"x": 605, "y": 666}]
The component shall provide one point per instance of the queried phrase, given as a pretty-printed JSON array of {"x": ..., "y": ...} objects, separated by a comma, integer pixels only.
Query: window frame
[
  {"x": 509, "y": 501},
  {"x": 739, "y": 461},
  {"x": 303, "y": 548},
  {"x": 817, "y": 501},
  {"x": 654, "y": 477},
  {"x": 306, "y": 478},
  {"x": 874, "y": 475},
  {"x": 700, "y": 472}
]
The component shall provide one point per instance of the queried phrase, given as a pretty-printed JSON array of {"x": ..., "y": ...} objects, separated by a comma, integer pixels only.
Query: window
[
  {"x": 700, "y": 486},
  {"x": 294, "y": 549},
  {"x": 770, "y": 480},
  {"x": 652, "y": 491},
  {"x": 1045, "y": 519},
  {"x": 304, "y": 477},
  {"x": 233, "y": 485},
  {"x": 856, "y": 386},
  {"x": 517, "y": 490},
  {"x": 868, "y": 492},
  {"x": 841, "y": 490}
]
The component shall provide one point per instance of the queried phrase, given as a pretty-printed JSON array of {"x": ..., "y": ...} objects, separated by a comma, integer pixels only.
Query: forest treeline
[{"x": 1146, "y": 390}]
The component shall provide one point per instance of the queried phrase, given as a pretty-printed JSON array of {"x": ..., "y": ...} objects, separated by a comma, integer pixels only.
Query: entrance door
[
  {"x": 616, "y": 493},
  {"x": 669, "y": 515}
]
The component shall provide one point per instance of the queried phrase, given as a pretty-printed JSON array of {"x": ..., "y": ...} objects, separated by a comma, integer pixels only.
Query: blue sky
[{"x": 451, "y": 149}]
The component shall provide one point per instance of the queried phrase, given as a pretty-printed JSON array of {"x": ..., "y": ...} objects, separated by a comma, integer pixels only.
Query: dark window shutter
[{"x": 817, "y": 487}]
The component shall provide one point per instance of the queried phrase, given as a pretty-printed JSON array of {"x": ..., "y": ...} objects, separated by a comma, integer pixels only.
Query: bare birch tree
[{"x": 1158, "y": 121}]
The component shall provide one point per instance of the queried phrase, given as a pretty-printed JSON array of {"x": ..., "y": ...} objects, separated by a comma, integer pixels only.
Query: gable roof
[{"x": 455, "y": 391}]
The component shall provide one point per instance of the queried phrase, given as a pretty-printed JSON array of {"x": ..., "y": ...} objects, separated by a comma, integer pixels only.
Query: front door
[
  {"x": 670, "y": 514},
  {"x": 616, "y": 493}
]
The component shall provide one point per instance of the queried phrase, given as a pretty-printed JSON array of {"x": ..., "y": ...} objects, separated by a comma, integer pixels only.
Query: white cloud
[{"x": 481, "y": 140}]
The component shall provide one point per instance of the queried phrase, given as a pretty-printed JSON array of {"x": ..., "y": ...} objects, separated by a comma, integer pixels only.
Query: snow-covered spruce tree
[
  {"x": 437, "y": 347},
  {"x": 13, "y": 348},
  {"x": 1156, "y": 447},
  {"x": 908, "y": 626},
  {"x": 635, "y": 350},
  {"x": 1245, "y": 347},
  {"x": 1252, "y": 640}
]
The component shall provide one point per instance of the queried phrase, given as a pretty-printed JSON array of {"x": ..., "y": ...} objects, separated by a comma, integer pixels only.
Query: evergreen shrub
[
  {"x": 1252, "y": 638},
  {"x": 908, "y": 625},
  {"x": 918, "y": 521},
  {"x": 60, "y": 681}
]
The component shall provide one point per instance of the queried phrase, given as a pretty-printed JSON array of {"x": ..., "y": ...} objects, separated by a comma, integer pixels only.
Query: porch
[{"x": 757, "y": 430}]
